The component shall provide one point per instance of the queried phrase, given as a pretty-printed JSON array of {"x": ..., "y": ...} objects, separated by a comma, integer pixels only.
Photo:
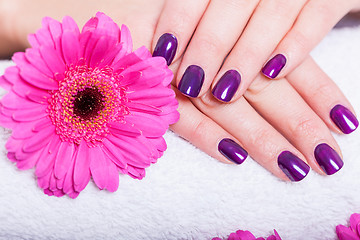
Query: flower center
[
  {"x": 87, "y": 99},
  {"x": 88, "y": 103}
]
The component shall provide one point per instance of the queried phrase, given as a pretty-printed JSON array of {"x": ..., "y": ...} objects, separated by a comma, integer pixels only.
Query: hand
[
  {"x": 205, "y": 122},
  {"x": 229, "y": 41}
]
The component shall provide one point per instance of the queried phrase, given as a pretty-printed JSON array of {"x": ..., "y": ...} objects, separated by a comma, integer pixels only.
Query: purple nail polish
[
  {"x": 328, "y": 159},
  {"x": 344, "y": 119},
  {"x": 227, "y": 85},
  {"x": 274, "y": 66},
  {"x": 294, "y": 168},
  {"x": 232, "y": 151},
  {"x": 192, "y": 81},
  {"x": 166, "y": 47}
]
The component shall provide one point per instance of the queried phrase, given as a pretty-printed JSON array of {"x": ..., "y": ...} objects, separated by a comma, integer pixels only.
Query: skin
[
  {"x": 243, "y": 35},
  {"x": 205, "y": 121}
]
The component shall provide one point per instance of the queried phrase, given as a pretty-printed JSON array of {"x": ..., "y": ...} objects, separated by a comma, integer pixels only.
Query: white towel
[{"x": 189, "y": 195}]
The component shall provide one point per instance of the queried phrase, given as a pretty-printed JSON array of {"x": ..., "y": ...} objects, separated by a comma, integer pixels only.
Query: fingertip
[
  {"x": 227, "y": 86},
  {"x": 274, "y": 66},
  {"x": 166, "y": 47}
]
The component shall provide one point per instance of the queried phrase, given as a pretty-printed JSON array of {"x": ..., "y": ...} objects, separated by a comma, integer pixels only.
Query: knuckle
[
  {"x": 276, "y": 8},
  {"x": 200, "y": 130},
  {"x": 210, "y": 44},
  {"x": 207, "y": 103},
  {"x": 323, "y": 91},
  {"x": 258, "y": 88},
  {"x": 304, "y": 126},
  {"x": 180, "y": 20},
  {"x": 261, "y": 138}
]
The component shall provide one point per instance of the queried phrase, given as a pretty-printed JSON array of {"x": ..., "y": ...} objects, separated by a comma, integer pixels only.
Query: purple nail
[
  {"x": 292, "y": 166},
  {"x": 166, "y": 47},
  {"x": 344, "y": 119},
  {"x": 274, "y": 66},
  {"x": 232, "y": 151},
  {"x": 227, "y": 85},
  {"x": 192, "y": 81},
  {"x": 328, "y": 159}
]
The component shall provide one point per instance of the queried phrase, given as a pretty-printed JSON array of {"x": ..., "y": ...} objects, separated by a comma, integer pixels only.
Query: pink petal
[
  {"x": 125, "y": 38},
  {"x": 47, "y": 158},
  {"x": 124, "y": 61},
  {"x": 38, "y": 96},
  {"x": 34, "y": 77},
  {"x": 354, "y": 221},
  {"x": 124, "y": 129},
  {"x": 44, "y": 38},
  {"x": 64, "y": 159},
  {"x": 157, "y": 96},
  {"x": 44, "y": 182},
  {"x": 234, "y": 236},
  {"x": 150, "y": 125},
  {"x": 345, "y": 233},
  {"x": 69, "y": 24},
  {"x": 70, "y": 47},
  {"x": 29, "y": 162},
  {"x": 110, "y": 56},
  {"x": 260, "y": 238},
  {"x": 5, "y": 83},
  {"x": 113, "y": 181},
  {"x": 35, "y": 113},
  {"x": 245, "y": 235},
  {"x": 99, "y": 167},
  {"x": 53, "y": 60},
  {"x": 140, "y": 107},
  {"x": 100, "y": 50},
  {"x": 34, "y": 58},
  {"x": 277, "y": 236},
  {"x": 13, "y": 101},
  {"x": 33, "y": 41},
  {"x": 114, "y": 154},
  {"x": 90, "y": 25},
  {"x": 132, "y": 151},
  {"x": 68, "y": 185},
  {"x": 55, "y": 29},
  {"x": 134, "y": 172},
  {"x": 82, "y": 167},
  {"x": 39, "y": 140}
]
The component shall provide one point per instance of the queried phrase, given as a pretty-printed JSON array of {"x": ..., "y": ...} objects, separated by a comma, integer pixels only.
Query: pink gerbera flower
[
  {"x": 246, "y": 235},
  {"x": 82, "y": 105}
]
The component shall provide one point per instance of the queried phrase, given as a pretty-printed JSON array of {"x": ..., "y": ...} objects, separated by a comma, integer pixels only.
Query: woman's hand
[
  {"x": 278, "y": 127},
  {"x": 231, "y": 41}
]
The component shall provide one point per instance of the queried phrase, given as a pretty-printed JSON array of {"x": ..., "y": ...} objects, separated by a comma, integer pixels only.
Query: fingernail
[
  {"x": 227, "y": 85},
  {"x": 192, "y": 81},
  {"x": 294, "y": 168},
  {"x": 328, "y": 159},
  {"x": 232, "y": 151},
  {"x": 344, "y": 119},
  {"x": 274, "y": 66},
  {"x": 166, "y": 47}
]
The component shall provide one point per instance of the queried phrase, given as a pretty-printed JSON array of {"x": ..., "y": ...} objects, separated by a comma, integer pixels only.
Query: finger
[
  {"x": 267, "y": 26},
  {"x": 323, "y": 96},
  {"x": 314, "y": 22},
  {"x": 218, "y": 31},
  {"x": 205, "y": 134},
  {"x": 175, "y": 27},
  {"x": 263, "y": 143},
  {"x": 283, "y": 107}
]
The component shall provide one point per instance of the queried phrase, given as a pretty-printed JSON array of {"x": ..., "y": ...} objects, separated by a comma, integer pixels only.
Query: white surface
[{"x": 188, "y": 195}]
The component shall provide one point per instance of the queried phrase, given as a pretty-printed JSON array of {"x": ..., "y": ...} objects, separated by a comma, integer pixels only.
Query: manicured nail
[
  {"x": 344, "y": 119},
  {"x": 328, "y": 159},
  {"x": 166, "y": 47},
  {"x": 274, "y": 66},
  {"x": 192, "y": 81},
  {"x": 294, "y": 168},
  {"x": 232, "y": 151},
  {"x": 227, "y": 85}
]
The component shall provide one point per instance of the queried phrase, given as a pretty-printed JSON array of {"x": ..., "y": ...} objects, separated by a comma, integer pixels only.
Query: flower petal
[
  {"x": 39, "y": 140},
  {"x": 33, "y": 56},
  {"x": 70, "y": 47},
  {"x": 47, "y": 158},
  {"x": 53, "y": 60},
  {"x": 125, "y": 38},
  {"x": 245, "y": 235},
  {"x": 82, "y": 167},
  {"x": 30, "y": 114},
  {"x": 234, "y": 236},
  {"x": 150, "y": 125},
  {"x": 345, "y": 233},
  {"x": 64, "y": 159},
  {"x": 99, "y": 167},
  {"x": 140, "y": 107},
  {"x": 124, "y": 129},
  {"x": 114, "y": 154},
  {"x": 354, "y": 221}
]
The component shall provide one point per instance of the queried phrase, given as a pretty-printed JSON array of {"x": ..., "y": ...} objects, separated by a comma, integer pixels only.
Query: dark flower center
[{"x": 87, "y": 103}]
